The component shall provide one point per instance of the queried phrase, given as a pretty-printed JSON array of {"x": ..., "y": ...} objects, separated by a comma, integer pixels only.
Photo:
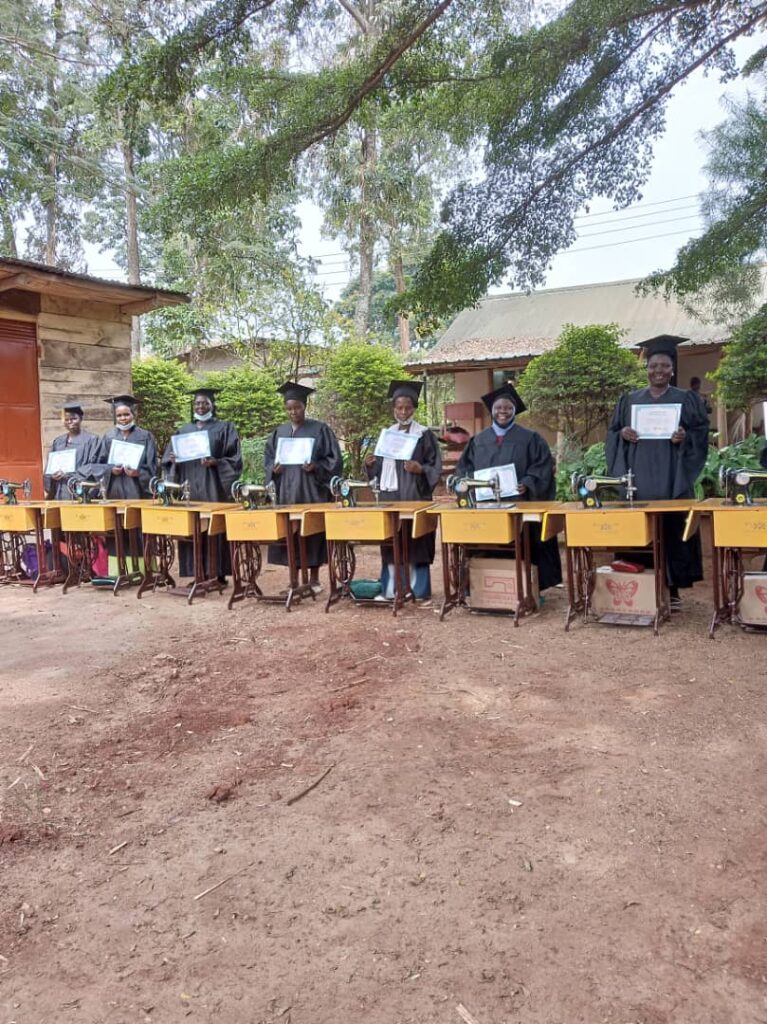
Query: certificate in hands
[
  {"x": 396, "y": 444},
  {"x": 61, "y": 462},
  {"x": 507, "y": 477},
  {"x": 191, "y": 446},
  {"x": 656, "y": 422},
  {"x": 294, "y": 451},
  {"x": 125, "y": 454}
]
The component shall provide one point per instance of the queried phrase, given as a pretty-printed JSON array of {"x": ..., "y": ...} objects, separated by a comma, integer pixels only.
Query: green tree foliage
[
  {"x": 574, "y": 387},
  {"x": 741, "y": 377},
  {"x": 248, "y": 398},
  {"x": 161, "y": 388},
  {"x": 352, "y": 394},
  {"x": 718, "y": 273}
]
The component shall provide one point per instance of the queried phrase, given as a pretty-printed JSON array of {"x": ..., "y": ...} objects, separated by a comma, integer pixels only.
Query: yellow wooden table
[
  {"x": 617, "y": 526},
  {"x": 162, "y": 525},
  {"x": 18, "y": 521},
  {"x": 394, "y": 523},
  {"x": 491, "y": 526},
  {"x": 248, "y": 529},
  {"x": 735, "y": 530},
  {"x": 82, "y": 523}
]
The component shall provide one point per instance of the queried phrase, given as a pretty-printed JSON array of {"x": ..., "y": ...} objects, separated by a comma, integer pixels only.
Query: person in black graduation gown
[
  {"x": 210, "y": 479},
  {"x": 122, "y": 481},
  {"x": 85, "y": 446},
  {"x": 408, "y": 480},
  {"x": 663, "y": 469},
  {"x": 504, "y": 442},
  {"x": 307, "y": 483}
]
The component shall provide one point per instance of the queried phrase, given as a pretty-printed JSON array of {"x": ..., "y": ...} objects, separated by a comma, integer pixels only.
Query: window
[{"x": 501, "y": 377}]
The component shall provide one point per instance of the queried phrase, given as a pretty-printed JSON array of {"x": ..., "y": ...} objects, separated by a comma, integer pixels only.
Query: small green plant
[
  {"x": 741, "y": 455},
  {"x": 253, "y": 459},
  {"x": 572, "y": 459}
]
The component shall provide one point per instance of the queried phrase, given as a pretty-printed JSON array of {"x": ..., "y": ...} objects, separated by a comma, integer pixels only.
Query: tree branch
[{"x": 357, "y": 15}]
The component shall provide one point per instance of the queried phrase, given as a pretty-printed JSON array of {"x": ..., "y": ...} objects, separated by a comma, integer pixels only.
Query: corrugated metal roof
[{"x": 519, "y": 325}]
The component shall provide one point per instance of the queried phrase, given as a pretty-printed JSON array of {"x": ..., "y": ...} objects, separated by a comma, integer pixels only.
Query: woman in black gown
[
  {"x": 663, "y": 469},
  {"x": 505, "y": 442},
  {"x": 306, "y": 483},
  {"x": 121, "y": 481},
  {"x": 211, "y": 478},
  {"x": 413, "y": 479},
  {"x": 85, "y": 447}
]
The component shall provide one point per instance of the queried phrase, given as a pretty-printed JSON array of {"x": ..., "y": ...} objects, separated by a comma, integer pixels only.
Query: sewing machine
[
  {"x": 167, "y": 493},
  {"x": 345, "y": 491},
  {"x": 253, "y": 496},
  {"x": 735, "y": 484},
  {"x": 9, "y": 488},
  {"x": 465, "y": 490},
  {"x": 84, "y": 492},
  {"x": 587, "y": 487}
]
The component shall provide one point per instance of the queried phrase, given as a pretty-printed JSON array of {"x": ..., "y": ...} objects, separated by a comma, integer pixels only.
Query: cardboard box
[
  {"x": 623, "y": 593},
  {"x": 753, "y": 604},
  {"x": 493, "y": 584}
]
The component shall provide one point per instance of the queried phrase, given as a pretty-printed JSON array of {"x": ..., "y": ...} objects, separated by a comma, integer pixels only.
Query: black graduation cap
[
  {"x": 210, "y": 393},
  {"x": 665, "y": 344},
  {"x": 116, "y": 400},
  {"x": 73, "y": 407},
  {"x": 407, "y": 389},
  {"x": 291, "y": 391},
  {"x": 505, "y": 391}
]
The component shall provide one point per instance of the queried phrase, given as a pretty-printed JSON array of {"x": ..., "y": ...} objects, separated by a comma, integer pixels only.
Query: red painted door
[{"x": 20, "y": 446}]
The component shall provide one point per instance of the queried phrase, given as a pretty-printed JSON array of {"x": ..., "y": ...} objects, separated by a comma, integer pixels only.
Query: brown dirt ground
[{"x": 544, "y": 827}]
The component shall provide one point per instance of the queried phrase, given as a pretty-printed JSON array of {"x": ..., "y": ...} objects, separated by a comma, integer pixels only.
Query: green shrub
[
  {"x": 248, "y": 398},
  {"x": 161, "y": 386},
  {"x": 253, "y": 459}
]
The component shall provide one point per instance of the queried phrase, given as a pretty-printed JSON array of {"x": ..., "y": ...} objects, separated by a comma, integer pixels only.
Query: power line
[{"x": 628, "y": 241}]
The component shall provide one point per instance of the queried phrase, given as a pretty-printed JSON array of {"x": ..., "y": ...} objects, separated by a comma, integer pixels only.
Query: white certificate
[
  {"x": 656, "y": 422},
  {"x": 396, "y": 444},
  {"x": 191, "y": 446},
  {"x": 507, "y": 478},
  {"x": 294, "y": 451},
  {"x": 61, "y": 462},
  {"x": 126, "y": 454}
]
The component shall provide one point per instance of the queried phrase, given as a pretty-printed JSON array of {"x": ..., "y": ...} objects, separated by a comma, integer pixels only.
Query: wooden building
[{"x": 63, "y": 337}]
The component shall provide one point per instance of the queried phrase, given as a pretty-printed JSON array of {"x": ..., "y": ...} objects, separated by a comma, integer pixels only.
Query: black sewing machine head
[
  {"x": 252, "y": 496},
  {"x": 587, "y": 487},
  {"x": 86, "y": 492},
  {"x": 10, "y": 488},
  {"x": 465, "y": 489},
  {"x": 165, "y": 492},
  {"x": 345, "y": 491},
  {"x": 735, "y": 484}
]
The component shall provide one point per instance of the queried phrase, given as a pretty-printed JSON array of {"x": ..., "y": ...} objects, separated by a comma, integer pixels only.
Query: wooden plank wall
[{"x": 84, "y": 356}]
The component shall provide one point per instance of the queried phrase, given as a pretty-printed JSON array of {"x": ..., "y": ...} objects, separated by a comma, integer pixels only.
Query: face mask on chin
[
  {"x": 127, "y": 426},
  {"x": 203, "y": 417}
]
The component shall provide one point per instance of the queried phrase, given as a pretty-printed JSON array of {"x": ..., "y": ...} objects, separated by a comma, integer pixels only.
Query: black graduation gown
[
  {"x": 86, "y": 452},
  {"x": 535, "y": 469},
  {"x": 663, "y": 470},
  {"x": 123, "y": 486},
  {"x": 208, "y": 483},
  {"x": 415, "y": 487},
  {"x": 296, "y": 487}
]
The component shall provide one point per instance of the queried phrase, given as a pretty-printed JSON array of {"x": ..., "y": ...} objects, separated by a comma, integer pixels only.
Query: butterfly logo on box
[
  {"x": 761, "y": 593},
  {"x": 622, "y": 593}
]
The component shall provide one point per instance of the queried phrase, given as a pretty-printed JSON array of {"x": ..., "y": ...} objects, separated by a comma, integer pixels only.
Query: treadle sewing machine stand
[
  {"x": 262, "y": 521},
  {"x": 739, "y": 524},
  {"x": 16, "y": 520},
  {"x": 172, "y": 517},
  {"x": 83, "y": 520}
]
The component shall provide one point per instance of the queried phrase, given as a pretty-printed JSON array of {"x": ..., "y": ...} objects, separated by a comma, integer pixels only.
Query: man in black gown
[
  {"x": 663, "y": 469},
  {"x": 211, "y": 478},
  {"x": 505, "y": 442},
  {"x": 307, "y": 483}
]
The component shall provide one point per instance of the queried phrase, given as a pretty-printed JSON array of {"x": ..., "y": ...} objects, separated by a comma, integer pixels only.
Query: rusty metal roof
[
  {"x": 26, "y": 275},
  {"x": 517, "y": 326}
]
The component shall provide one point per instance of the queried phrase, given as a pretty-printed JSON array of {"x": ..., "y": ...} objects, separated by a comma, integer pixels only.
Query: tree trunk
[
  {"x": 131, "y": 231},
  {"x": 402, "y": 321},
  {"x": 9, "y": 233},
  {"x": 368, "y": 161},
  {"x": 51, "y": 204}
]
